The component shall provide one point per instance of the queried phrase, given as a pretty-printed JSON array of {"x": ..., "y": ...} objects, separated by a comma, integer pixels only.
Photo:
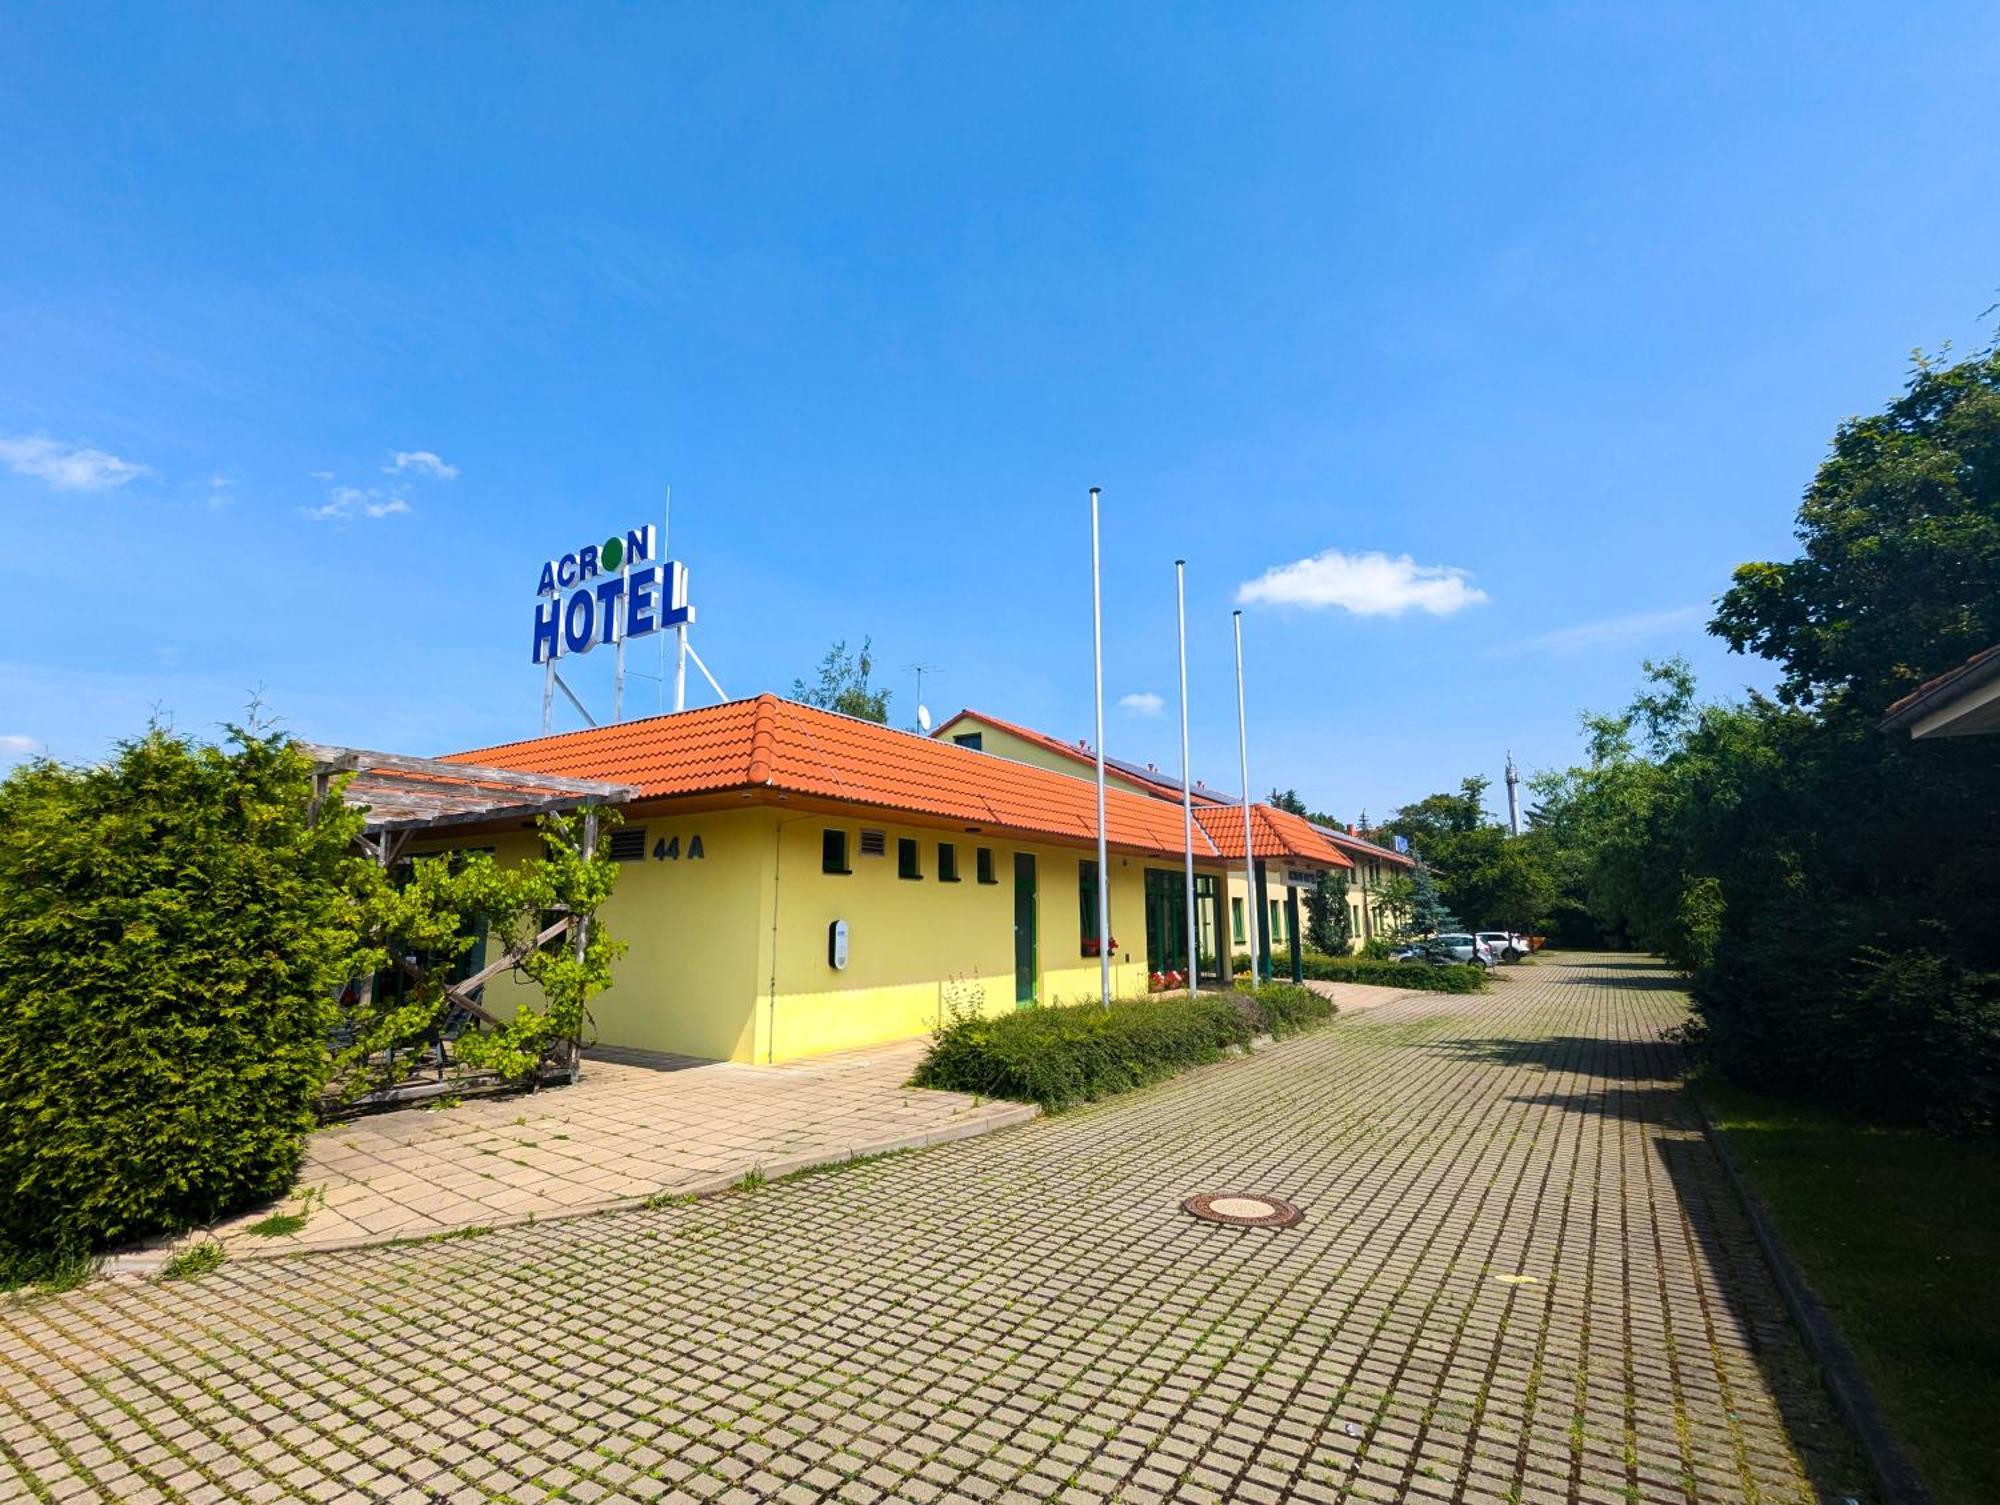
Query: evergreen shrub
[
  {"x": 1077, "y": 1053},
  {"x": 173, "y": 926},
  {"x": 1418, "y": 976}
]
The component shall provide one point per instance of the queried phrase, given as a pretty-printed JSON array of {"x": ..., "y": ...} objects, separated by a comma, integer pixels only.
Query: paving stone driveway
[
  {"x": 1520, "y": 1278},
  {"x": 633, "y": 1127}
]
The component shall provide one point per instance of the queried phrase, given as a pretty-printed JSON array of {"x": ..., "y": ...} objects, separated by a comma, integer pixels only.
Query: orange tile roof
[
  {"x": 1080, "y": 752},
  {"x": 1347, "y": 841},
  {"x": 770, "y": 743},
  {"x": 1275, "y": 833},
  {"x": 1279, "y": 833}
]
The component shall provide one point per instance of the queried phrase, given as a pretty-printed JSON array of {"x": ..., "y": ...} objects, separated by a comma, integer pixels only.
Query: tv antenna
[{"x": 923, "y": 711}]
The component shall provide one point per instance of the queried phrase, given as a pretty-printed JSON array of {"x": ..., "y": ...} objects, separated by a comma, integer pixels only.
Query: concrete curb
[
  {"x": 1895, "y": 1475},
  {"x": 143, "y": 1264}
]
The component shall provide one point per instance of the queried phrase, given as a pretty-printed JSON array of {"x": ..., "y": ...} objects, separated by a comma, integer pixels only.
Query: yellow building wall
[
  {"x": 727, "y": 952},
  {"x": 695, "y": 930},
  {"x": 920, "y": 948}
]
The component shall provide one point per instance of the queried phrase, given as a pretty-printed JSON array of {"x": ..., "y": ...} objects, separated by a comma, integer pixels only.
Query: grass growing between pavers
[
  {"x": 1898, "y": 1232},
  {"x": 195, "y": 1259},
  {"x": 45, "y": 1270}
]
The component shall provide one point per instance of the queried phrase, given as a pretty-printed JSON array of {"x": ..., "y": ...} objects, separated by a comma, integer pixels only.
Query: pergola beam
[{"x": 344, "y": 759}]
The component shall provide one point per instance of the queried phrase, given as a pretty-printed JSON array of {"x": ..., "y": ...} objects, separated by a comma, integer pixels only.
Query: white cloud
[
  {"x": 66, "y": 467},
  {"x": 14, "y": 745},
  {"x": 423, "y": 463},
  {"x": 346, "y": 503},
  {"x": 1611, "y": 630},
  {"x": 1369, "y": 585},
  {"x": 1141, "y": 703}
]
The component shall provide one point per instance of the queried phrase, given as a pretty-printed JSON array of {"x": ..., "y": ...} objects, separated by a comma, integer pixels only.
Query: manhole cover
[{"x": 1242, "y": 1210}]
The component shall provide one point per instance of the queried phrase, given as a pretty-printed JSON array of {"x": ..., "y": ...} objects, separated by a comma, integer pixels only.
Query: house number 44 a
[{"x": 668, "y": 849}]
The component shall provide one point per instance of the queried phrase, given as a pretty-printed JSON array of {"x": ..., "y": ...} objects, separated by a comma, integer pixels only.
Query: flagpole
[
  {"x": 1187, "y": 777},
  {"x": 1255, "y": 930},
  {"x": 1103, "y": 851}
]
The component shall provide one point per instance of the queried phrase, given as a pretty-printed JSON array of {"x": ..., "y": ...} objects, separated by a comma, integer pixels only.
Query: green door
[
  {"x": 1166, "y": 921},
  {"x": 1024, "y": 929}
]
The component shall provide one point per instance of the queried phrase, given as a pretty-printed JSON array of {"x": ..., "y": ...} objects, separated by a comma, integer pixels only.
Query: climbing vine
[{"x": 419, "y": 923}]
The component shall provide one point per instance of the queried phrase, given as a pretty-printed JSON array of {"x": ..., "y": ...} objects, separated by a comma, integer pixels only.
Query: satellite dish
[{"x": 924, "y": 717}]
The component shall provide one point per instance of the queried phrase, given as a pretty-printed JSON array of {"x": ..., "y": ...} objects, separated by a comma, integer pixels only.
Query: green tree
[
  {"x": 844, "y": 684},
  {"x": 1428, "y": 913},
  {"x": 1828, "y": 888},
  {"x": 1898, "y": 576},
  {"x": 1481, "y": 873},
  {"x": 1329, "y": 927}
]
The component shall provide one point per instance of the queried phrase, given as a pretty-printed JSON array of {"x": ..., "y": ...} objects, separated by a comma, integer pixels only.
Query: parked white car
[
  {"x": 1447, "y": 948},
  {"x": 1504, "y": 944}
]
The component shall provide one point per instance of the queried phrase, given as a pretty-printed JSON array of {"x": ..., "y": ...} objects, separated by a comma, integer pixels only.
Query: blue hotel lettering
[{"x": 588, "y": 598}]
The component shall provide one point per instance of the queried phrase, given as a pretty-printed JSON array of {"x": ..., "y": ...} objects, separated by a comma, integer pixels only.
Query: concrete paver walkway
[
  {"x": 1520, "y": 1279},
  {"x": 633, "y": 1127}
]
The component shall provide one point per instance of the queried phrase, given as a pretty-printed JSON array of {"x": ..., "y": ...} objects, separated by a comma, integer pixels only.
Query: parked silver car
[{"x": 1444, "y": 949}]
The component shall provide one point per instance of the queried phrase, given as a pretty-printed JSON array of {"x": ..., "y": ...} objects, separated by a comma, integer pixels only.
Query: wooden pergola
[{"x": 404, "y": 797}]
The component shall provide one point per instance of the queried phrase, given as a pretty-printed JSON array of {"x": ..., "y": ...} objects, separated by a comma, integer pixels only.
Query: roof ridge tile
[{"x": 763, "y": 739}]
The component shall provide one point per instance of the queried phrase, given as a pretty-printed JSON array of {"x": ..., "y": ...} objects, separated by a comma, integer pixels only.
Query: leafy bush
[
  {"x": 1077, "y": 1053},
  {"x": 1906, "y": 1036},
  {"x": 1418, "y": 976},
  {"x": 1288, "y": 1009},
  {"x": 173, "y": 924}
]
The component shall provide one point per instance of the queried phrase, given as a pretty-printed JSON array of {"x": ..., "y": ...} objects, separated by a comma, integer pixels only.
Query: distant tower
[{"x": 1513, "y": 797}]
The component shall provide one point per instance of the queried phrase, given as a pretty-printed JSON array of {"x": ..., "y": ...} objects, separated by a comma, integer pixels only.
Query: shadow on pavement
[
  {"x": 1607, "y": 1060},
  {"x": 1743, "y": 1302}
]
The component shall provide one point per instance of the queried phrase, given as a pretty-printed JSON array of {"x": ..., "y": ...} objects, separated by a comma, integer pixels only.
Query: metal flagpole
[
  {"x": 1103, "y": 857},
  {"x": 1256, "y": 927},
  {"x": 1187, "y": 777}
]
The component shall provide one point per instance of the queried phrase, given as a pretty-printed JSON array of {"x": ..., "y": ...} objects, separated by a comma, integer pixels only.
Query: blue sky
[{"x": 321, "y": 329}]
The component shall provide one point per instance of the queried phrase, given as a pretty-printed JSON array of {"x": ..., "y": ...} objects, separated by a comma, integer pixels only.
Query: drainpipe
[{"x": 771, "y": 997}]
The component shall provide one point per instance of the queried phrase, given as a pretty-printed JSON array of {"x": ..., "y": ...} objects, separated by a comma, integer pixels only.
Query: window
[
  {"x": 907, "y": 863},
  {"x": 974, "y": 740},
  {"x": 947, "y": 862},
  {"x": 1236, "y": 920},
  {"x": 1277, "y": 930},
  {"x": 1086, "y": 902},
  {"x": 874, "y": 844},
  {"x": 833, "y": 852},
  {"x": 628, "y": 844},
  {"x": 982, "y": 860}
]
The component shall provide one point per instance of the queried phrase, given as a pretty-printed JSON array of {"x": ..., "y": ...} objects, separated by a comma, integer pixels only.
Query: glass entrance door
[
  {"x": 1024, "y": 929},
  {"x": 1210, "y": 952},
  {"x": 1166, "y": 922}
]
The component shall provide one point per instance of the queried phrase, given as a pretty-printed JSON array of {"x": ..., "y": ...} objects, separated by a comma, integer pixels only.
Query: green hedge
[
  {"x": 172, "y": 928},
  {"x": 1077, "y": 1053},
  {"x": 1422, "y": 976}
]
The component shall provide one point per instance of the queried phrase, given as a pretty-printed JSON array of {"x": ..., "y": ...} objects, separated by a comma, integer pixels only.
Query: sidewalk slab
[{"x": 634, "y": 1127}]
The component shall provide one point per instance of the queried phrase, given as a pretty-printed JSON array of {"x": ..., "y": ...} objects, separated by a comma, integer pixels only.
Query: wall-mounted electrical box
[{"x": 836, "y": 945}]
